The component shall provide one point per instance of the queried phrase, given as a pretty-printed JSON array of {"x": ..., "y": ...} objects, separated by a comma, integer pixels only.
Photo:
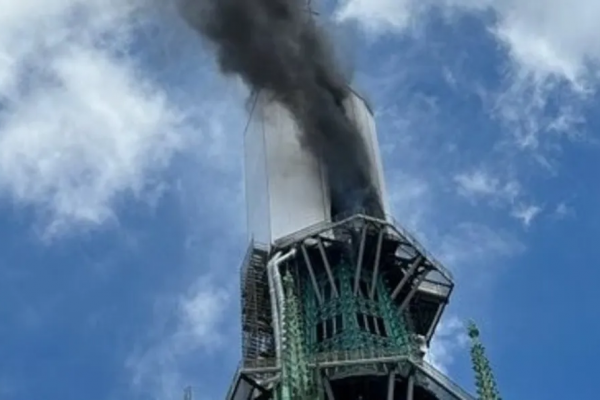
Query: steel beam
[
  {"x": 327, "y": 386},
  {"x": 361, "y": 253},
  {"x": 254, "y": 384},
  {"x": 391, "y": 384},
  {"x": 311, "y": 272},
  {"x": 259, "y": 370},
  {"x": 413, "y": 290},
  {"x": 378, "y": 360},
  {"x": 376, "y": 266},
  {"x": 410, "y": 388},
  {"x": 411, "y": 270},
  {"x": 327, "y": 267},
  {"x": 436, "y": 319}
]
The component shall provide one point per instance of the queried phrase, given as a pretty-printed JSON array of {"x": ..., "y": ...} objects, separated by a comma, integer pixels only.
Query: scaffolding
[
  {"x": 358, "y": 296},
  {"x": 257, "y": 329},
  {"x": 359, "y": 266}
]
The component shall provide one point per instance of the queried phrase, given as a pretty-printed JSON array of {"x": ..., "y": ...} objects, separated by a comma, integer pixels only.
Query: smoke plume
[{"x": 274, "y": 46}]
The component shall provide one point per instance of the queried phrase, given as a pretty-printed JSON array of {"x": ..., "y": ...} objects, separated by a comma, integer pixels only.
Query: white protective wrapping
[
  {"x": 360, "y": 113},
  {"x": 286, "y": 187}
]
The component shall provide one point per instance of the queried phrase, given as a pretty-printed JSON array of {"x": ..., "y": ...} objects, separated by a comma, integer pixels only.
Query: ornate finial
[
  {"x": 472, "y": 329},
  {"x": 484, "y": 377}
]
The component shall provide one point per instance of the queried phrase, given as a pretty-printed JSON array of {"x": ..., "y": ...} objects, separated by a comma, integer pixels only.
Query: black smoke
[{"x": 276, "y": 47}]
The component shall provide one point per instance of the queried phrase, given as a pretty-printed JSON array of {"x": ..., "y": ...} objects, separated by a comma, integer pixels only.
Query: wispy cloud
[
  {"x": 550, "y": 50},
  {"x": 209, "y": 192},
  {"x": 451, "y": 338},
  {"x": 384, "y": 17},
  {"x": 526, "y": 213},
  {"x": 538, "y": 116},
  {"x": 199, "y": 330},
  {"x": 79, "y": 125},
  {"x": 547, "y": 38},
  {"x": 563, "y": 210},
  {"x": 474, "y": 244},
  {"x": 377, "y": 16},
  {"x": 479, "y": 183},
  {"x": 410, "y": 198},
  {"x": 84, "y": 125},
  {"x": 551, "y": 38}
]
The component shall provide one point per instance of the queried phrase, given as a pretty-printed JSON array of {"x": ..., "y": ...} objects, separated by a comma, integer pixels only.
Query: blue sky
[{"x": 122, "y": 216}]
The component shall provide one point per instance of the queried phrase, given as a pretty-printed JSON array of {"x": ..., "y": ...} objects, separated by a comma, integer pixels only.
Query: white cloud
[
  {"x": 198, "y": 331},
  {"x": 410, "y": 199},
  {"x": 380, "y": 17},
  {"x": 200, "y": 315},
  {"x": 552, "y": 52},
  {"x": 547, "y": 38},
  {"x": 450, "y": 338},
  {"x": 563, "y": 210},
  {"x": 526, "y": 213},
  {"x": 551, "y": 38},
  {"x": 479, "y": 183},
  {"x": 79, "y": 125},
  {"x": 538, "y": 115},
  {"x": 473, "y": 244},
  {"x": 377, "y": 16}
]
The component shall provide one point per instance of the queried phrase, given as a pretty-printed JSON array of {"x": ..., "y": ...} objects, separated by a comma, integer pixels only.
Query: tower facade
[{"x": 337, "y": 303}]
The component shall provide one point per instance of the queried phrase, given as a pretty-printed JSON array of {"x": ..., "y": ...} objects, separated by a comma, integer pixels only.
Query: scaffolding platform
[{"x": 359, "y": 297}]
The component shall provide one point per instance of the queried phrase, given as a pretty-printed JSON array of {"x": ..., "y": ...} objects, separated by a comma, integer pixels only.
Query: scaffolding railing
[
  {"x": 319, "y": 228},
  {"x": 359, "y": 356},
  {"x": 365, "y": 356},
  {"x": 260, "y": 363},
  {"x": 255, "y": 307},
  {"x": 372, "y": 356},
  {"x": 253, "y": 245},
  {"x": 325, "y": 226},
  {"x": 246, "y": 260}
]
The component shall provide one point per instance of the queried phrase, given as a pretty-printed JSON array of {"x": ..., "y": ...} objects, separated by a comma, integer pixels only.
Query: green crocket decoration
[{"x": 484, "y": 377}]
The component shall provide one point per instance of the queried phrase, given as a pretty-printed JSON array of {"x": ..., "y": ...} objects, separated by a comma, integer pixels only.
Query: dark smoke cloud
[{"x": 274, "y": 46}]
